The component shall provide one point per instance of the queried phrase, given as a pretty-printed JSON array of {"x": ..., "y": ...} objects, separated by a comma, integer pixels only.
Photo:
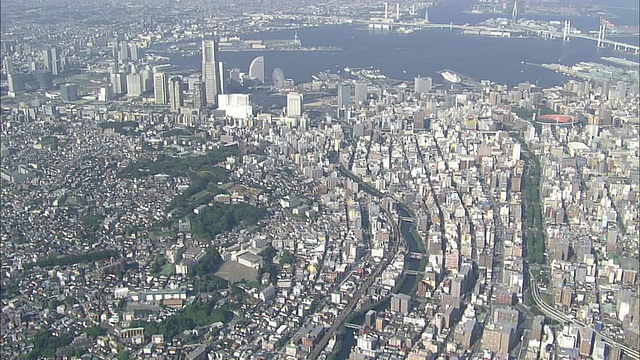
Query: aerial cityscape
[{"x": 320, "y": 179}]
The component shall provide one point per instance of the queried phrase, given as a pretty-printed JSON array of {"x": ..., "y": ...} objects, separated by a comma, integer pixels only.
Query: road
[
  {"x": 358, "y": 294},
  {"x": 556, "y": 314}
]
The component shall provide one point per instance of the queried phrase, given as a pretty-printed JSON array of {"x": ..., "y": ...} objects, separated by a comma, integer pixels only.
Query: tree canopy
[
  {"x": 178, "y": 166},
  {"x": 193, "y": 316},
  {"x": 220, "y": 218}
]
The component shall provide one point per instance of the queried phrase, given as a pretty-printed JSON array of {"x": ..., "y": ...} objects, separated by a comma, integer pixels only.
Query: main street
[
  {"x": 358, "y": 294},
  {"x": 558, "y": 315}
]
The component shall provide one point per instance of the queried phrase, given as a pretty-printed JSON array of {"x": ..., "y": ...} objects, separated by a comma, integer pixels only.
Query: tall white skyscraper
[
  {"x": 210, "y": 71},
  {"x": 161, "y": 88},
  {"x": 294, "y": 104},
  {"x": 221, "y": 78}
]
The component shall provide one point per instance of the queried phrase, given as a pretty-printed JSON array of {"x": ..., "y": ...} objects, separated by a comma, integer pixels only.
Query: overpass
[
  {"x": 353, "y": 326},
  {"x": 413, "y": 272}
]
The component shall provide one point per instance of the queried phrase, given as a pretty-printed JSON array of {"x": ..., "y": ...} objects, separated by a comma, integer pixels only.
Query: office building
[
  {"x": 16, "y": 84},
  {"x": 344, "y": 96},
  {"x": 465, "y": 332},
  {"x": 197, "y": 95},
  {"x": 124, "y": 51},
  {"x": 235, "y": 105},
  {"x": 45, "y": 79},
  {"x": 161, "y": 88},
  {"x": 146, "y": 78},
  {"x": 256, "y": 69},
  {"x": 118, "y": 83},
  {"x": 134, "y": 85},
  {"x": 8, "y": 65},
  {"x": 361, "y": 92},
  {"x": 222, "y": 78},
  {"x": 498, "y": 338},
  {"x": 586, "y": 342},
  {"x": 69, "y": 92},
  {"x": 51, "y": 59},
  {"x": 210, "y": 71},
  {"x": 175, "y": 94},
  {"x": 401, "y": 303},
  {"x": 370, "y": 318},
  {"x": 134, "y": 52},
  {"x": 105, "y": 93},
  {"x": 294, "y": 104},
  {"x": 423, "y": 85}
]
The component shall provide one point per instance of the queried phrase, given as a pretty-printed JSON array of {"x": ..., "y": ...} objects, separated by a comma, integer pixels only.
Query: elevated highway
[{"x": 558, "y": 315}]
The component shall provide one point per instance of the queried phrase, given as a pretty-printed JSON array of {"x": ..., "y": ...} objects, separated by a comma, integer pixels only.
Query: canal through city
[{"x": 349, "y": 336}]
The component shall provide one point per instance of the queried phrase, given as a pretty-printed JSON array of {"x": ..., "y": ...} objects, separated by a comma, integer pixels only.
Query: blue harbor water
[{"x": 422, "y": 53}]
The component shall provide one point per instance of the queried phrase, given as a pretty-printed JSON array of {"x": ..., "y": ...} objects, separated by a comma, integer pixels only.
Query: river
[{"x": 348, "y": 338}]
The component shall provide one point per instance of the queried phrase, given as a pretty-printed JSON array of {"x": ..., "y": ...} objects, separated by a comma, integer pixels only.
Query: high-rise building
[
  {"x": 236, "y": 106},
  {"x": 46, "y": 59},
  {"x": 210, "y": 71},
  {"x": 423, "y": 85},
  {"x": 197, "y": 92},
  {"x": 161, "y": 88},
  {"x": 118, "y": 83},
  {"x": 55, "y": 61},
  {"x": 360, "y": 93},
  {"x": 16, "y": 84},
  {"x": 175, "y": 94},
  {"x": 134, "y": 85},
  {"x": 8, "y": 65},
  {"x": 45, "y": 79},
  {"x": 134, "y": 52},
  {"x": 222, "y": 79},
  {"x": 69, "y": 92},
  {"x": 344, "y": 96},
  {"x": 370, "y": 318},
  {"x": 256, "y": 69},
  {"x": 124, "y": 51},
  {"x": 401, "y": 303},
  {"x": 105, "y": 93},
  {"x": 146, "y": 77},
  {"x": 294, "y": 104}
]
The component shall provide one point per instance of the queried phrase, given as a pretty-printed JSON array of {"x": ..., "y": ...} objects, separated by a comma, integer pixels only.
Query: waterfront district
[{"x": 156, "y": 215}]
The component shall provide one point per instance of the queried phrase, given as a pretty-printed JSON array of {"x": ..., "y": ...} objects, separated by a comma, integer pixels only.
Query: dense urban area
[{"x": 154, "y": 212}]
